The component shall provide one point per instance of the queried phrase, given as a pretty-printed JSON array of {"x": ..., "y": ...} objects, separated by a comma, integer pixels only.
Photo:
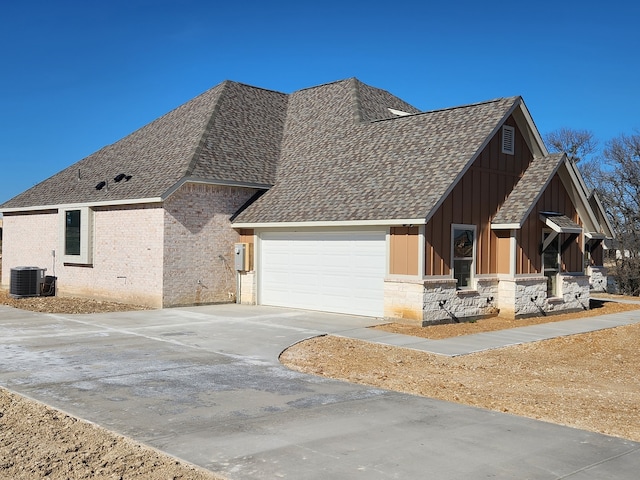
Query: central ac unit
[{"x": 26, "y": 281}]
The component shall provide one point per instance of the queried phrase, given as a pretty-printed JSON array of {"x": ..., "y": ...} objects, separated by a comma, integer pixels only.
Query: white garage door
[{"x": 331, "y": 272}]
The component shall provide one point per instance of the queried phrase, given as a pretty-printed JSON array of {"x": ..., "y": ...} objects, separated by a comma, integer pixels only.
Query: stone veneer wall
[
  {"x": 530, "y": 295},
  {"x": 442, "y": 302},
  {"x": 199, "y": 241},
  {"x": 403, "y": 299},
  {"x": 597, "y": 278},
  {"x": 248, "y": 288},
  {"x": 575, "y": 293}
]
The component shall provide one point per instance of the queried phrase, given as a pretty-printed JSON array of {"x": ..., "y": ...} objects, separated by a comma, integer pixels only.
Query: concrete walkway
[
  {"x": 478, "y": 342},
  {"x": 204, "y": 384}
]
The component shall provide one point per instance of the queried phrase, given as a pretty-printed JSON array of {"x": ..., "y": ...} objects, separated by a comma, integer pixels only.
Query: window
[
  {"x": 463, "y": 254},
  {"x": 76, "y": 234},
  {"x": 72, "y": 232},
  {"x": 551, "y": 264},
  {"x": 508, "y": 140}
]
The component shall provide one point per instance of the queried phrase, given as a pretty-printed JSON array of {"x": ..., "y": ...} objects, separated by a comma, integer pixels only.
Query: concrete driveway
[{"x": 204, "y": 384}]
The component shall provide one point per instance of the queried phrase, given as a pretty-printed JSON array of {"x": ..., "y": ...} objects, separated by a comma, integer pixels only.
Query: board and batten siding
[
  {"x": 474, "y": 201},
  {"x": 403, "y": 251},
  {"x": 528, "y": 257}
]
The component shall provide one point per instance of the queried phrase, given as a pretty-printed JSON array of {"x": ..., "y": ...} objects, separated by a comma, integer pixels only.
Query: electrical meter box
[{"x": 240, "y": 251}]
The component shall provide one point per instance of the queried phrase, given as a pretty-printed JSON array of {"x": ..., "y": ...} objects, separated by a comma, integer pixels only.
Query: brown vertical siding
[
  {"x": 404, "y": 251},
  {"x": 555, "y": 198},
  {"x": 597, "y": 256},
  {"x": 247, "y": 236},
  {"x": 474, "y": 201},
  {"x": 502, "y": 244}
]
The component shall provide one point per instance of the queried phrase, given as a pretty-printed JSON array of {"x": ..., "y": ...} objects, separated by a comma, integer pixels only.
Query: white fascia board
[
  {"x": 533, "y": 129},
  {"x": 595, "y": 236},
  {"x": 506, "y": 226},
  {"x": 106, "y": 203},
  {"x": 548, "y": 221},
  {"x": 603, "y": 214},
  {"x": 586, "y": 210},
  {"x": 340, "y": 223},
  {"x": 225, "y": 183}
]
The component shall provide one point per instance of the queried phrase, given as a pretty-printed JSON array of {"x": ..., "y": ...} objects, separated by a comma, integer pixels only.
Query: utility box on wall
[{"x": 240, "y": 255}]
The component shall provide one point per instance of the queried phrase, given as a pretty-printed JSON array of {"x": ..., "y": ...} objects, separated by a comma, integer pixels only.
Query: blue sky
[{"x": 79, "y": 75}]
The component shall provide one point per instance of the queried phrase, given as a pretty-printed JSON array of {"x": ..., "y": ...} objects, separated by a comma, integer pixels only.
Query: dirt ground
[{"x": 587, "y": 381}]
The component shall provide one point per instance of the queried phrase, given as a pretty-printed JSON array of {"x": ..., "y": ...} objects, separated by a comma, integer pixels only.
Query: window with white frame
[
  {"x": 463, "y": 254},
  {"x": 76, "y": 235},
  {"x": 551, "y": 263}
]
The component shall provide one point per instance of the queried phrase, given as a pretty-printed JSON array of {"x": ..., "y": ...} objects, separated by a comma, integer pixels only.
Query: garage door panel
[{"x": 338, "y": 272}]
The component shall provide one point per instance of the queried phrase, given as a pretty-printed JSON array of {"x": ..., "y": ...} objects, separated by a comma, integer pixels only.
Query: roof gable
[
  {"x": 523, "y": 198},
  {"x": 527, "y": 191},
  {"x": 333, "y": 169}
]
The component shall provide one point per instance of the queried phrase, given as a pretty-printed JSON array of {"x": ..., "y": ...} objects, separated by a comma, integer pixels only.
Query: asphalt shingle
[
  {"x": 524, "y": 195},
  {"x": 334, "y": 152},
  {"x": 231, "y": 132}
]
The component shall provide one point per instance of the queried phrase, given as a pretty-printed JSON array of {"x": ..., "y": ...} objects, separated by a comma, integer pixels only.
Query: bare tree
[
  {"x": 577, "y": 144},
  {"x": 618, "y": 184}
]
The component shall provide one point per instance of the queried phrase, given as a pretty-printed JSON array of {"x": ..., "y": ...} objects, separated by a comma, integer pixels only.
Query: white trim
[
  {"x": 513, "y": 252},
  {"x": 505, "y": 226},
  {"x": 86, "y": 236},
  {"x": 399, "y": 113},
  {"x": 548, "y": 221},
  {"x": 595, "y": 236},
  {"x": 603, "y": 214},
  {"x": 421, "y": 252},
  {"x": 530, "y": 133},
  {"x": 333, "y": 223},
  {"x": 136, "y": 201},
  {"x": 83, "y": 205},
  {"x": 586, "y": 213},
  {"x": 472, "y": 270}
]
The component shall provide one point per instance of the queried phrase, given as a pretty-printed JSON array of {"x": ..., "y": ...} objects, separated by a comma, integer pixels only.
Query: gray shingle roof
[
  {"x": 334, "y": 169},
  {"x": 527, "y": 191},
  {"x": 334, "y": 152},
  {"x": 231, "y": 132}
]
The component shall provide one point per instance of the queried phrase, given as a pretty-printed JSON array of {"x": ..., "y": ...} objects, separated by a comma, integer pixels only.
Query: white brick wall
[
  {"x": 27, "y": 241},
  {"x": 127, "y": 258},
  {"x": 199, "y": 240}
]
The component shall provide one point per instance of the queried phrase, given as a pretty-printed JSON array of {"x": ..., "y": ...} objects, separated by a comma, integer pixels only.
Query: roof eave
[
  {"x": 104, "y": 203},
  {"x": 333, "y": 223},
  {"x": 506, "y": 226}
]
